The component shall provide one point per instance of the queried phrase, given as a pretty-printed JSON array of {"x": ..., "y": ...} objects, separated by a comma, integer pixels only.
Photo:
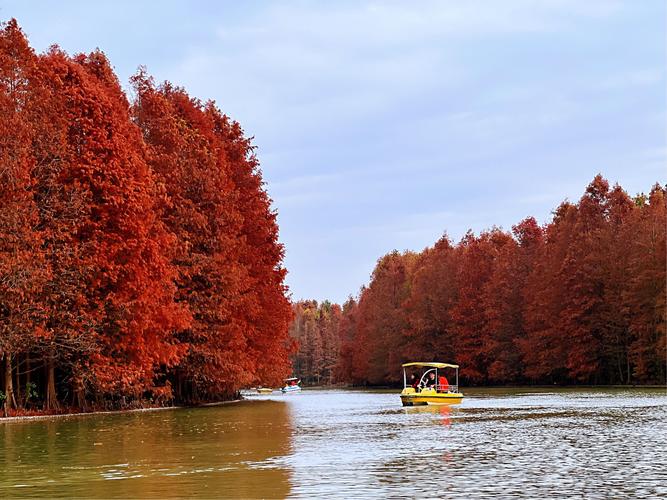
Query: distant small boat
[
  {"x": 291, "y": 385},
  {"x": 437, "y": 392},
  {"x": 264, "y": 390}
]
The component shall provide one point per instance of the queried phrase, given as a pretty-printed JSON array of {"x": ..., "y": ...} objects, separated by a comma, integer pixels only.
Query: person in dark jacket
[{"x": 430, "y": 381}]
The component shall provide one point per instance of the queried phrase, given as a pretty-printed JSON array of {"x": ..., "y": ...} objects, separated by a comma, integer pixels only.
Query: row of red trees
[
  {"x": 316, "y": 331},
  {"x": 138, "y": 249},
  {"x": 579, "y": 300}
]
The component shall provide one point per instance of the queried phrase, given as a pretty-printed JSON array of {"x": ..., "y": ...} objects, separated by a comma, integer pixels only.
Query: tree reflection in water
[{"x": 229, "y": 451}]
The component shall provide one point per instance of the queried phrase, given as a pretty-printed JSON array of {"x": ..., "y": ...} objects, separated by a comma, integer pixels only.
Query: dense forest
[
  {"x": 139, "y": 254},
  {"x": 578, "y": 300}
]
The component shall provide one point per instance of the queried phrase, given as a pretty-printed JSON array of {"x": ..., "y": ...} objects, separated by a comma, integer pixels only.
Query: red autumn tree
[
  {"x": 382, "y": 319},
  {"x": 644, "y": 298},
  {"x": 503, "y": 299},
  {"x": 543, "y": 347},
  {"x": 265, "y": 308},
  {"x": 306, "y": 333},
  {"x": 432, "y": 296},
  {"x": 582, "y": 318},
  {"x": 111, "y": 307},
  {"x": 22, "y": 267},
  {"x": 187, "y": 161},
  {"x": 229, "y": 257},
  {"x": 475, "y": 268},
  {"x": 615, "y": 269},
  {"x": 347, "y": 338},
  {"x": 330, "y": 321}
]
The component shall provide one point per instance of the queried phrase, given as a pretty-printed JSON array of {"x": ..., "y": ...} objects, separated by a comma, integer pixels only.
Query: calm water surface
[{"x": 498, "y": 443}]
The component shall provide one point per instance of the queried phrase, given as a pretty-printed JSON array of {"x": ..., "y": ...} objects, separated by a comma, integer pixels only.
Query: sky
[{"x": 384, "y": 125}]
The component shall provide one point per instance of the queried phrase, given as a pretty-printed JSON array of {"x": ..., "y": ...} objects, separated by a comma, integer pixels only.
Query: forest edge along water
[
  {"x": 140, "y": 307},
  {"x": 547, "y": 442}
]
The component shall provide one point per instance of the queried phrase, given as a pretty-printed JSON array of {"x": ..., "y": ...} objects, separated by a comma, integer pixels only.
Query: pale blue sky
[{"x": 381, "y": 125}]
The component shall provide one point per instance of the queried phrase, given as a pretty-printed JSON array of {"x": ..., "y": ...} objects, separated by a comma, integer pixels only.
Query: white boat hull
[{"x": 291, "y": 388}]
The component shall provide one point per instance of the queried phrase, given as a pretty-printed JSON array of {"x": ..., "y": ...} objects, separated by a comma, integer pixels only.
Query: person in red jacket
[{"x": 443, "y": 384}]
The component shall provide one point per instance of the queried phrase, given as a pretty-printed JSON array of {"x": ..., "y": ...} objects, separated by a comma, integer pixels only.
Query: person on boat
[
  {"x": 443, "y": 384},
  {"x": 414, "y": 381},
  {"x": 430, "y": 381}
]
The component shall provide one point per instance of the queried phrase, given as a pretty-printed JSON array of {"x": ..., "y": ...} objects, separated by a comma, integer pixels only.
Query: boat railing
[{"x": 447, "y": 388}]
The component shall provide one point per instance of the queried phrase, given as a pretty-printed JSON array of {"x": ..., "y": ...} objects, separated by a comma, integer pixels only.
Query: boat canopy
[
  {"x": 430, "y": 364},
  {"x": 291, "y": 378}
]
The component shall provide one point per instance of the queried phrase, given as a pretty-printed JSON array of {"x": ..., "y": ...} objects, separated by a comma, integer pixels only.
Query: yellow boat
[
  {"x": 265, "y": 390},
  {"x": 438, "y": 394}
]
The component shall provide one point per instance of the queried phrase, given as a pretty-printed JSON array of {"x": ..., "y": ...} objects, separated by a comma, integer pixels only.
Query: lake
[{"x": 549, "y": 443}]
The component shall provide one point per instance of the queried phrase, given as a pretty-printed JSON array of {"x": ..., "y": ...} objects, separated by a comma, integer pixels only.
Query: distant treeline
[
  {"x": 579, "y": 300},
  {"x": 138, "y": 249},
  {"x": 316, "y": 329}
]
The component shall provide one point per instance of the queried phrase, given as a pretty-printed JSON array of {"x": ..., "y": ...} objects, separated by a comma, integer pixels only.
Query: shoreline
[
  {"x": 570, "y": 386},
  {"x": 28, "y": 418}
]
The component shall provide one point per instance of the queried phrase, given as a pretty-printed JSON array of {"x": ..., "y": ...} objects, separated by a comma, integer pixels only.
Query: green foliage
[{"x": 31, "y": 393}]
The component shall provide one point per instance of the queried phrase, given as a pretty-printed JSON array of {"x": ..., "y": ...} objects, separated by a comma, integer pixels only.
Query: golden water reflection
[{"x": 230, "y": 451}]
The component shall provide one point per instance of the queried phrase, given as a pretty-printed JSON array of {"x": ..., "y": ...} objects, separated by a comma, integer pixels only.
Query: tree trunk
[
  {"x": 10, "y": 401},
  {"x": 28, "y": 379},
  {"x": 51, "y": 400},
  {"x": 28, "y": 369},
  {"x": 80, "y": 398},
  {"x": 78, "y": 390},
  {"x": 17, "y": 389},
  {"x": 620, "y": 369},
  {"x": 179, "y": 385}
]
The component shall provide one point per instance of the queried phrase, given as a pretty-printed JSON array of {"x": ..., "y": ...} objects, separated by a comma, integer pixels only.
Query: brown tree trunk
[
  {"x": 28, "y": 379},
  {"x": 10, "y": 401},
  {"x": 17, "y": 387},
  {"x": 179, "y": 386},
  {"x": 80, "y": 398},
  {"x": 78, "y": 390},
  {"x": 51, "y": 400},
  {"x": 28, "y": 369}
]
